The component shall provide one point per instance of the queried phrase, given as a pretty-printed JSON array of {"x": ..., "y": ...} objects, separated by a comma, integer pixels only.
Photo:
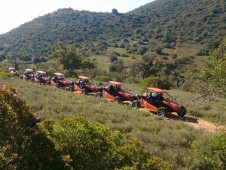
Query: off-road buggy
[
  {"x": 13, "y": 72},
  {"x": 28, "y": 75},
  {"x": 41, "y": 77},
  {"x": 116, "y": 91},
  {"x": 59, "y": 81},
  {"x": 159, "y": 101},
  {"x": 85, "y": 86}
]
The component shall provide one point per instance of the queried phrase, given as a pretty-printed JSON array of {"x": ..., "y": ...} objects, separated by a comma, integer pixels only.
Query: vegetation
[
  {"x": 63, "y": 144},
  {"x": 155, "y": 133},
  {"x": 213, "y": 73},
  {"x": 70, "y": 58},
  {"x": 153, "y": 27},
  {"x": 161, "y": 44}
]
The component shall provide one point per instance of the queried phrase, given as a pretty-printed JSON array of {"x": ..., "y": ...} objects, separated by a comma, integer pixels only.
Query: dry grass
[{"x": 170, "y": 140}]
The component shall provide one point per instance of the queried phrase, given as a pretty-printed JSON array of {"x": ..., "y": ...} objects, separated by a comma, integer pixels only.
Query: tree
[
  {"x": 70, "y": 57},
  {"x": 213, "y": 73},
  {"x": 114, "y": 11},
  {"x": 148, "y": 66},
  {"x": 116, "y": 66},
  {"x": 22, "y": 144},
  {"x": 155, "y": 82}
]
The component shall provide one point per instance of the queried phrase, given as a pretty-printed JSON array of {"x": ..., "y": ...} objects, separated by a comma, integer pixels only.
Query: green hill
[{"x": 199, "y": 23}]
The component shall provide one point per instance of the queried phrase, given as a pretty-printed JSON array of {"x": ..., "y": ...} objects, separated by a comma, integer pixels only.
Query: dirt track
[{"x": 193, "y": 121}]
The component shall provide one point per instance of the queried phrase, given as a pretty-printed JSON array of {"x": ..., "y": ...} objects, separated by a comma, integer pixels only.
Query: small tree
[
  {"x": 70, "y": 57},
  {"x": 213, "y": 73},
  {"x": 116, "y": 66},
  {"x": 114, "y": 11}
]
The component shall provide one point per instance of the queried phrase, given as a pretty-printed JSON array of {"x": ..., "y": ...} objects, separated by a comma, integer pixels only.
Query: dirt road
[{"x": 195, "y": 122}]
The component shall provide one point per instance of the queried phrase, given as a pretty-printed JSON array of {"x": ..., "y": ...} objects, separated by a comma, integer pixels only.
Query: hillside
[
  {"x": 199, "y": 23},
  {"x": 191, "y": 20}
]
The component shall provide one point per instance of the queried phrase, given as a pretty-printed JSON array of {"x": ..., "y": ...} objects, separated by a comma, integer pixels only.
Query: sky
[{"x": 13, "y": 13}]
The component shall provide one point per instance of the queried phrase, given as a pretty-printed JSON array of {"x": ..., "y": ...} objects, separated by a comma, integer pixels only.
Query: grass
[{"x": 168, "y": 139}]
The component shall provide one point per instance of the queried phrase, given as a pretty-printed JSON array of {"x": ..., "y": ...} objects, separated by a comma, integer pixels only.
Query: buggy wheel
[
  {"x": 182, "y": 111},
  {"x": 99, "y": 94},
  {"x": 136, "y": 104},
  {"x": 162, "y": 111},
  {"x": 84, "y": 91},
  {"x": 118, "y": 99},
  {"x": 57, "y": 85}
]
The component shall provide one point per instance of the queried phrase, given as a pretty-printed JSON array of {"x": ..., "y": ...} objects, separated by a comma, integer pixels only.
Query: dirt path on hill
[
  {"x": 174, "y": 50},
  {"x": 195, "y": 122}
]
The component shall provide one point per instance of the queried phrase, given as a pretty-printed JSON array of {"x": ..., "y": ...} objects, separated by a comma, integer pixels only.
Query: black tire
[
  {"x": 162, "y": 111},
  {"x": 58, "y": 85},
  {"x": 118, "y": 99},
  {"x": 182, "y": 112},
  {"x": 84, "y": 91},
  {"x": 99, "y": 94},
  {"x": 71, "y": 89},
  {"x": 136, "y": 104}
]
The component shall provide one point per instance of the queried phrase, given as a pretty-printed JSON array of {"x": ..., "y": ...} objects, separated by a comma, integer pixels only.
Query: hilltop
[{"x": 199, "y": 25}]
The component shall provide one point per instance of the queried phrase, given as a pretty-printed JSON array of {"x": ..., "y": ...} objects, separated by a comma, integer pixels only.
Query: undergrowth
[{"x": 170, "y": 140}]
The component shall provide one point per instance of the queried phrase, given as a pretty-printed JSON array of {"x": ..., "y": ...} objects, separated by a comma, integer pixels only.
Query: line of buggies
[{"x": 153, "y": 99}]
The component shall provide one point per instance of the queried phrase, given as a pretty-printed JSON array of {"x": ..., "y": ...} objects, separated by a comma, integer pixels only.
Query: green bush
[
  {"x": 155, "y": 82},
  {"x": 22, "y": 145},
  {"x": 4, "y": 74},
  {"x": 89, "y": 146}
]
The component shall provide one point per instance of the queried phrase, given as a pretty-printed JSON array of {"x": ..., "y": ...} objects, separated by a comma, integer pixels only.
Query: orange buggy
[
  {"x": 13, "y": 72},
  {"x": 28, "y": 75},
  {"x": 114, "y": 92},
  {"x": 85, "y": 85},
  {"x": 159, "y": 101},
  {"x": 59, "y": 81},
  {"x": 41, "y": 77}
]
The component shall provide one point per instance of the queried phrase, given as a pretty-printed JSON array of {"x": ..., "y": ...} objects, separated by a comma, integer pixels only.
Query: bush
[
  {"x": 22, "y": 145},
  {"x": 4, "y": 74},
  {"x": 158, "y": 50},
  {"x": 155, "y": 82},
  {"x": 89, "y": 146}
]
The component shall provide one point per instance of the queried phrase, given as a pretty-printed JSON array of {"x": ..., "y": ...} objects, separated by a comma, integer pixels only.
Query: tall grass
[{"x": 168, "y": 139}]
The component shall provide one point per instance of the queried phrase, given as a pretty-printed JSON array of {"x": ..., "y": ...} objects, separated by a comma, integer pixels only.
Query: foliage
[
  {"x": 70, "y": 57},
  {"x": 4, "y": 74},
  {"x": 190, "y": 20},
  {"x": 89, "y": 146},
  {"x": 213, "y": 154},
  {"x": 155, "y": 82},
  {"x": 158, "y": 22},
  {"x": 146, "y": 67},
  {"x": 116, "y": 66},
  {"x": 213, "y": 73},
  {"x": 154, "y": 132},
  {"x": 22, "y": 145},
  {"x": 64, "y": 144}
]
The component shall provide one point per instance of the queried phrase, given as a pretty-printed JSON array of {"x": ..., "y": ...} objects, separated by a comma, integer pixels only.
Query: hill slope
[
  {"x": 159, "y": 23},
  {"x": 198, "y": 20}
]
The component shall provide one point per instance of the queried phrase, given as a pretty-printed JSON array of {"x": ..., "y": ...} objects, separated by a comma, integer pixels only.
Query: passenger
[
  {"x": 39, "y": 76},
  {"x": 54, "y": 78},
  {"x": 111, "y": 90},
  {"x": 157, "y": 99},
  {"x": 149, "y": 98},
  {"x": 81, "y": 83}
]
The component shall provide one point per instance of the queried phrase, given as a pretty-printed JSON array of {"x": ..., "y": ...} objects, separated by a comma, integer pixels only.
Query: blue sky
[{"x": 13, "y": 13}]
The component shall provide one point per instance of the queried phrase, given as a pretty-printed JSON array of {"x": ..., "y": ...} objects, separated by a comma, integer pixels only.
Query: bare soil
[{"x": 195, "y": 122}]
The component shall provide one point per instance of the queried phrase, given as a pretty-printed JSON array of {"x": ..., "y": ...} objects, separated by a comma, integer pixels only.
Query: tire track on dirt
[{"x": 195, "y": 122}]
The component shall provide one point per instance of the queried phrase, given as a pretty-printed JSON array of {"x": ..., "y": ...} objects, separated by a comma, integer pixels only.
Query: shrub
[
  {"x": 4, "y": 74},
  {"x": 94, "y": 146},
  {"x": 22, "y": 145},
  {"x": 158, "y": 50},
  {"x": 155, "y": 82}
]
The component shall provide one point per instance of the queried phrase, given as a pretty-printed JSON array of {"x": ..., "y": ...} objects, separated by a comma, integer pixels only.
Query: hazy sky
[{"x": 13, "y": 13}]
